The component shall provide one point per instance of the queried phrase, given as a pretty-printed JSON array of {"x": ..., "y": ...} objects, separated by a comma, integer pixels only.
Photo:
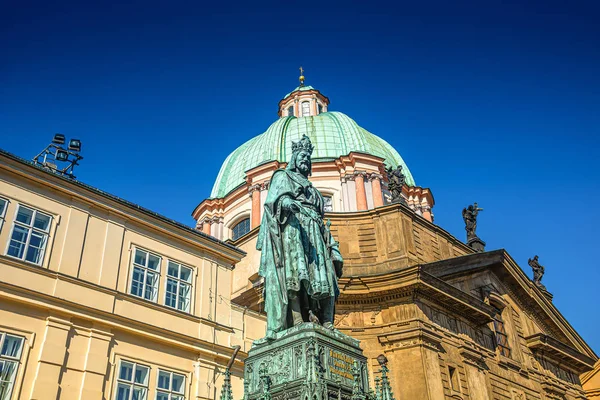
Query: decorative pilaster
[
  {"x": 51, "y": 359},
  {"x": 94, "y": 369}
]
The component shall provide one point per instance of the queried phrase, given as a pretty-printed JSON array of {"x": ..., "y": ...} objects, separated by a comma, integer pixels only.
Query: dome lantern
[{"x": 304, "y": 101}]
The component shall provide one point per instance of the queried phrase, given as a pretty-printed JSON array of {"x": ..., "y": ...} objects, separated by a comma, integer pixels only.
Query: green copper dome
[{"x": 333, "y": 135}]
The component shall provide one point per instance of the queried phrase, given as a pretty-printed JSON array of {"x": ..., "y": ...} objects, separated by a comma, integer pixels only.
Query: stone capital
[
  {"x": 373, "y": 176},
  {"x": 254, "y": 188}
]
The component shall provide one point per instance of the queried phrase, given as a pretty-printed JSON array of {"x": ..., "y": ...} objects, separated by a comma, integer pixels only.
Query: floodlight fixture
[
  {"x": 61, "y": 155},
  {"x": 59, "y": 138},
  {"x": 75, "y": 145},
  {"x": 56, "y": 153}
]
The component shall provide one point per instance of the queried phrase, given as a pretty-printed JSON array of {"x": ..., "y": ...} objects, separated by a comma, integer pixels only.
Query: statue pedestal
[
  {"x": 476, "y": 244},
  {"x": 545, "y": 291},
  {"x": 305, "y": 362}
]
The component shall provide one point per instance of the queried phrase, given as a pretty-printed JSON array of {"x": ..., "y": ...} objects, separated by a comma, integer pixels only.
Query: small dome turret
[{"x": 304, "y": 101}]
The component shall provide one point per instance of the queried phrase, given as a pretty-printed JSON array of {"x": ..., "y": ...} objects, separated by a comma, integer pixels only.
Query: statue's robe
[{"x": 297, "y": 250}]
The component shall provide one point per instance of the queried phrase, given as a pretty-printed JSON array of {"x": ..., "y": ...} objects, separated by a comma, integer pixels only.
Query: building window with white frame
[
  {"x": 290, "y": 111},
  {"x": 179, "y": 286},
  {"x": 3, "y": 207},
  {"x": 10, "y": 354},
  {"x": 305, "y": 108},
  {"x": 145, "y": 275},
  {"x": 29, "y": 236},
  {"x": 170, "y": 386},
  {"x": 132, "y": 381}
]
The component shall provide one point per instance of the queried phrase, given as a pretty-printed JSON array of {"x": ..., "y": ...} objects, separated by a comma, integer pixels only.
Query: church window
[
  {"x": 501, "y": 336},
  {"x": 170, "y": 386},
  {"x": 320, "y": 107},
  {"x": 132, "y": 382},
  {"x": 327, "y": 203},
  {"x": 179, "y": 285},
  {"x": 240, "y": 229},
  {"x": 290, "y": 111},
  {"x": 145, "y": 275},
  {"x": 305, "y": 109},
  {"x": 29, "y": 235},
  {"x": 10, "y": 355}
]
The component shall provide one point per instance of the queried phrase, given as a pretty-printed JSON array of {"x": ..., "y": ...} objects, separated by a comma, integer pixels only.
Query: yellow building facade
[{"x": 101, "y": 299}]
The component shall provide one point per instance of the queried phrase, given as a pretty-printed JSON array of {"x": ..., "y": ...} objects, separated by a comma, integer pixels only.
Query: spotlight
[
  {"x": 61, "y": 155},
  {"x": 75, "y": 145},
  {"x": 59, "y": 138},
  {"x": 382, "y": 360}
]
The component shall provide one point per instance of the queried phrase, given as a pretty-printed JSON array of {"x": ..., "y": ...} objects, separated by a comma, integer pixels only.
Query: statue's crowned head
[{"x": 301, "y": 156}]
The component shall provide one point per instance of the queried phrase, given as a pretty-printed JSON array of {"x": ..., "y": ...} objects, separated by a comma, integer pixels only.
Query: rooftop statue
[
  {"x": 470, "y": 217},
  {"x": 538, "y": 272},
  {"x": 300, "y": 261},
  {"x": 396, "y": 179}
]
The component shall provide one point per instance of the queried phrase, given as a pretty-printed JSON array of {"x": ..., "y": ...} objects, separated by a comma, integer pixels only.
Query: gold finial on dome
[{"x": 301, "y": 76}]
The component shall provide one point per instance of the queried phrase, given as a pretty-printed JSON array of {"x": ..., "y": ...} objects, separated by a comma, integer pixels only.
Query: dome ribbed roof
[{"x": 333, "y": 135}]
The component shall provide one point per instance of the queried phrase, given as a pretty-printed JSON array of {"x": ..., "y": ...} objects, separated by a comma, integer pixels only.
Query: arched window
[
  {"x": 240, "y": 229},
  {"x": 290, "y": 111},
  {"x": 305, "y": 109}
]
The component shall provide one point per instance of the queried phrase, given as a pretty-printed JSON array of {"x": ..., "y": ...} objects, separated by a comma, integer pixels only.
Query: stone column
[
  {"x": 254, "y": 191},
  {"x": 361, "y": 194},
  {"x": 376, "y": 189},
  {"x": 205, "y": 226},
  {"x": 427, "y": 213}
]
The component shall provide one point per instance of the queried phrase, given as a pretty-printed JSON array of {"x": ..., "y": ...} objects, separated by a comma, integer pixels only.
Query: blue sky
[{"x": 496, "y": 103}]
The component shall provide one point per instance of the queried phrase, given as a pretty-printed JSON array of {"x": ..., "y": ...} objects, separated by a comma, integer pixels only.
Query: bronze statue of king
[{"x": 300, "y": 261}]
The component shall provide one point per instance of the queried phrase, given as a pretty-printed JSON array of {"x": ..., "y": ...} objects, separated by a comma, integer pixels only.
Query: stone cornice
[
  {"x": 417, "y": 335},
  {"x": 559, "y": 352},
  {"x": 111, "y": 321},
  {"x": 124, "y": 211}
]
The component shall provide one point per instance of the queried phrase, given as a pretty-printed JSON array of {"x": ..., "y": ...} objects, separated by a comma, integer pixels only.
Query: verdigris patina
[{"x": 300, "y": 261}]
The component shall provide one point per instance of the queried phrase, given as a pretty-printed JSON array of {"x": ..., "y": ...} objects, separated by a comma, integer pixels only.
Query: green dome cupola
[{"x": 333, "y": 134}]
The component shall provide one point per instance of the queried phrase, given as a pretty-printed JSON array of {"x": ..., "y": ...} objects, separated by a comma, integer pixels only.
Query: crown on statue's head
[{"x": 303, "y": 144}]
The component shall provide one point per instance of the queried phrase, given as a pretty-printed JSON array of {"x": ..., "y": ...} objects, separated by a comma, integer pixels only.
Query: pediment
[{"x": 498, "y": 270}]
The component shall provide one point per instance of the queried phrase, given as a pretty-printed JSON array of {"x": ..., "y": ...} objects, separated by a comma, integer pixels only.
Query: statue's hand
[{"x": 289, "y": 205}]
